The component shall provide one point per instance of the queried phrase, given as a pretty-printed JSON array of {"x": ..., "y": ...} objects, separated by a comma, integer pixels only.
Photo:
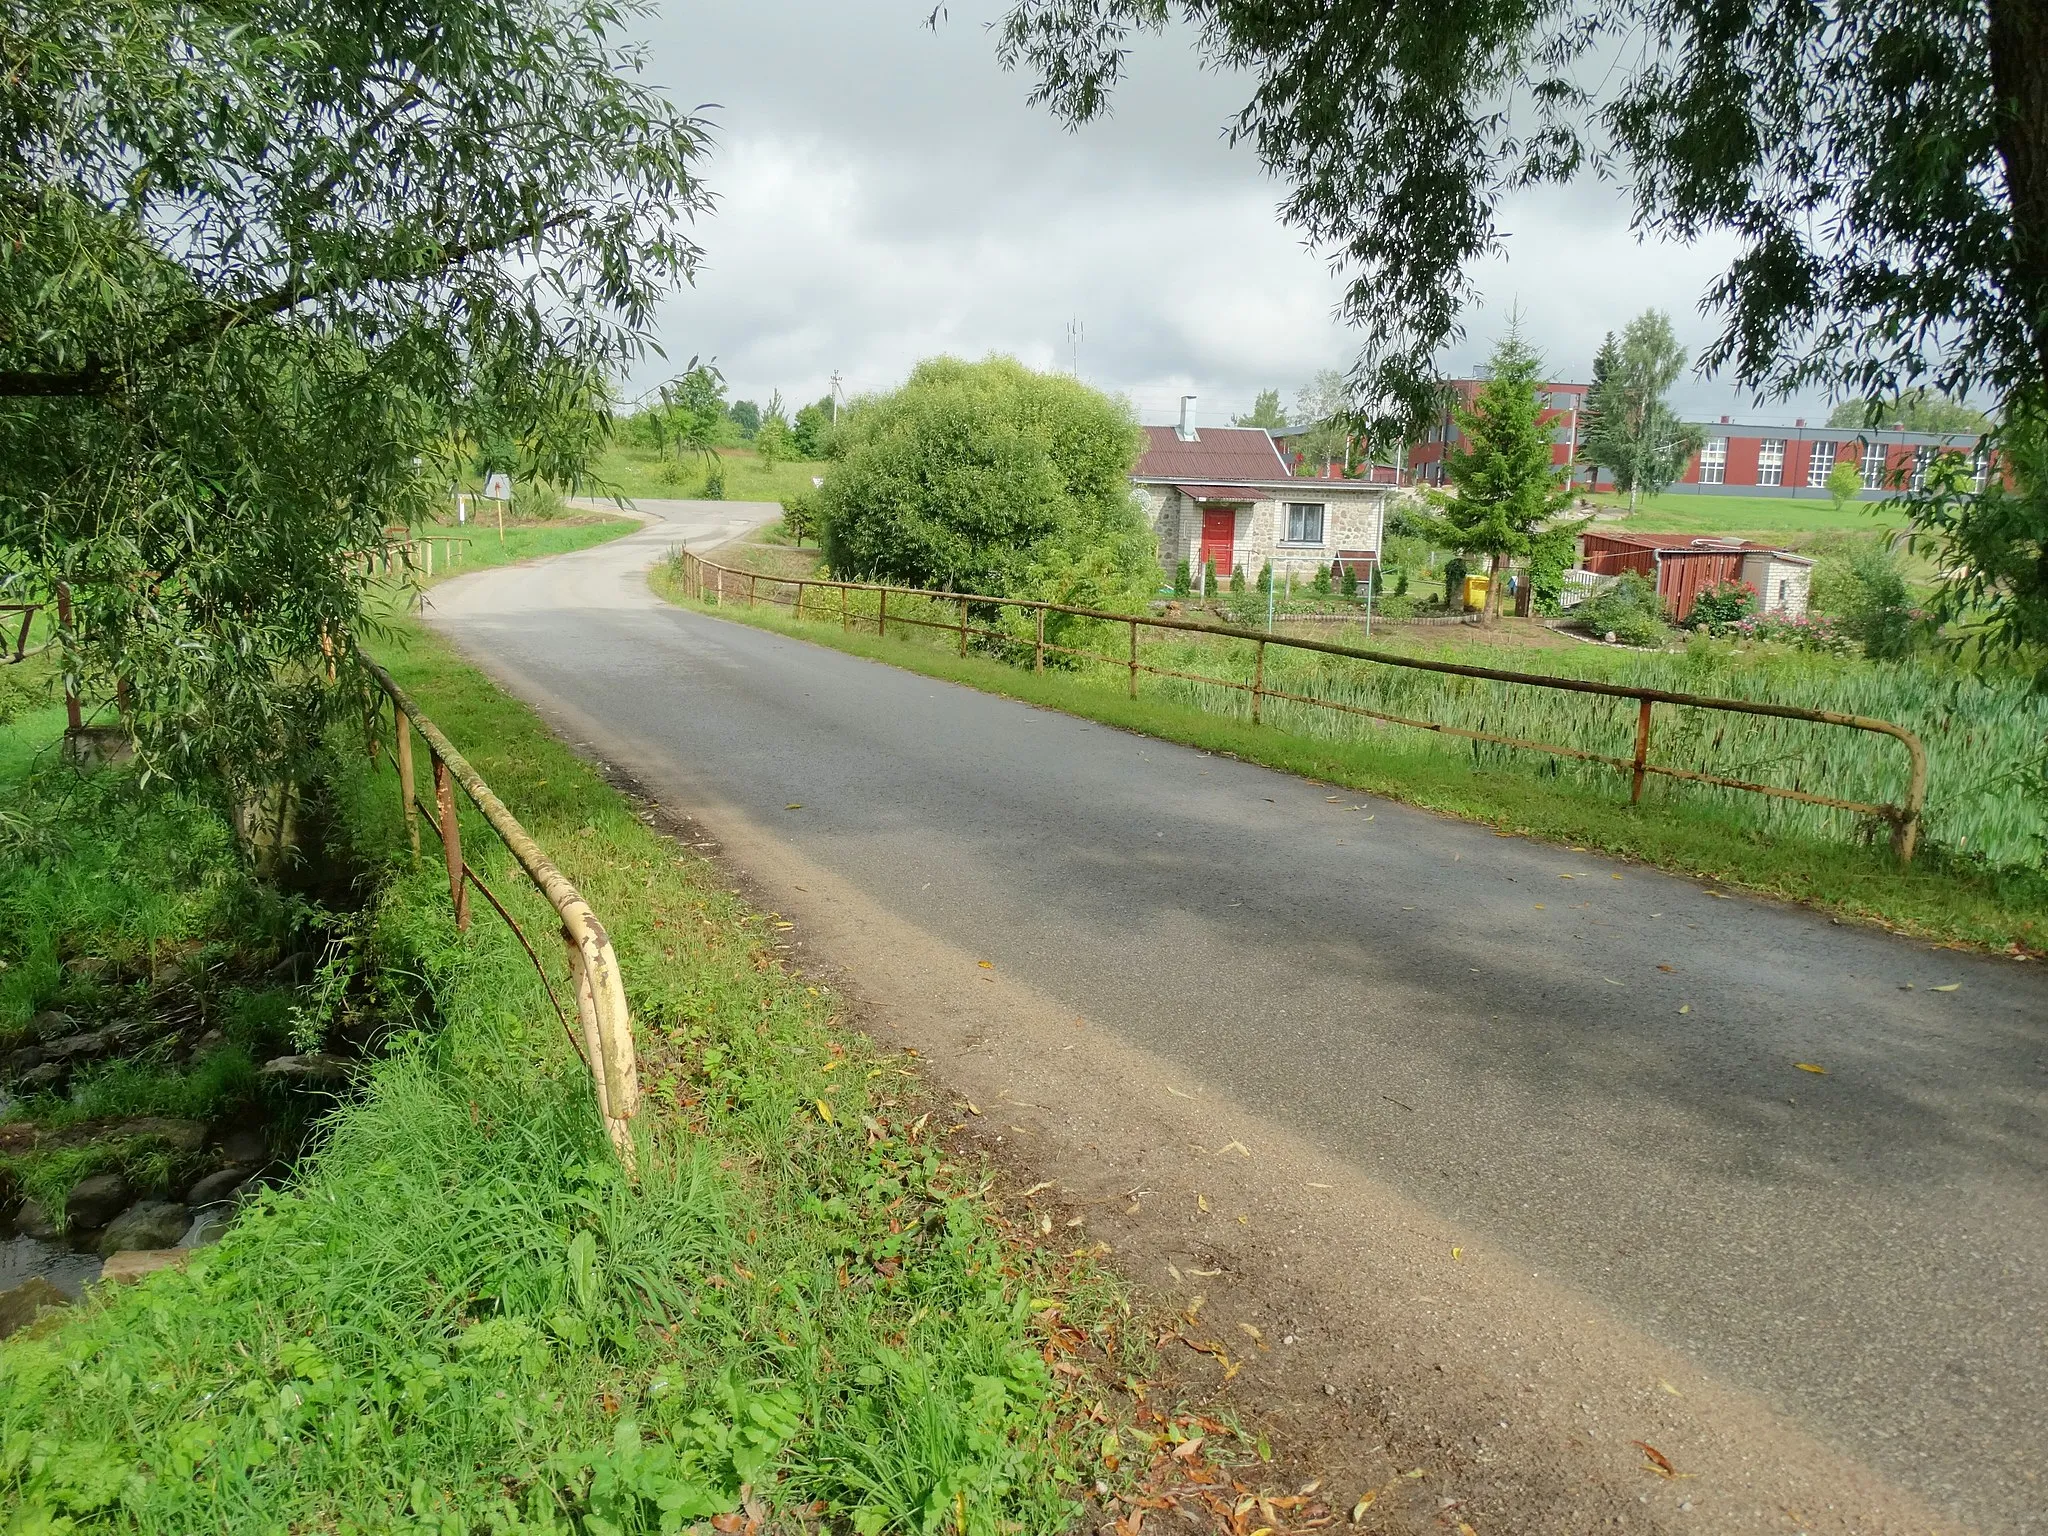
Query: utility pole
[
  {"x": 1074, "y": 344},
  {"x": 835, "y": 397}
]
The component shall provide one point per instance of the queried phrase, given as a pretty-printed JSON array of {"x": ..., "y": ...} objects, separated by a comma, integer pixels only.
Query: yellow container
[{"x": 1475, "y": 592}]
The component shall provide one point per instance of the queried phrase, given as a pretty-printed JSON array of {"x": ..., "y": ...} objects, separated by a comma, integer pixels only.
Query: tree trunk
[
  {"x": 2019, "y": 83},
  {"x": 1490, "y": 614}
]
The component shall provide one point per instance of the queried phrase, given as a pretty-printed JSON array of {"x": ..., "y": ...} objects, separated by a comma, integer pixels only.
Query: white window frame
[
  {"x": 1820, "y": 463},
  {"x": 1288, "y": 510},
  {"x": 1980, "y": 469},
  {"x": 1770, "y": 461},
  {"x": 1876, "y": 457},
  {"x": 1714, "y": 461}
]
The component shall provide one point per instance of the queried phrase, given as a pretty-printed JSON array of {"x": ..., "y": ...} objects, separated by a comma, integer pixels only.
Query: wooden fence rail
[
  {"x": 705, "y": 581},
  {"x": 606, "y": 1023}
]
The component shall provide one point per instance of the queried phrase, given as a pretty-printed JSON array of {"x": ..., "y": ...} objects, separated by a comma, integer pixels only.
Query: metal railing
[
  {"x": 719, "y": 584},
  {"x": 606, "y": 1024}
]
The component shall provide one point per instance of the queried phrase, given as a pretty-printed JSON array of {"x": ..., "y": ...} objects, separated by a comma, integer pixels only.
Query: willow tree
[
  {"x": 1880, "y": 165},
  {"x": 260, "y": 265}
]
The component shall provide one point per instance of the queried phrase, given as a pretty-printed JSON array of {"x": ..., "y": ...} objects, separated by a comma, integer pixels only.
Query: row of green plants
[
  {"x": 461, "y": 1317},
  {"x": 1984, "y": 730}
]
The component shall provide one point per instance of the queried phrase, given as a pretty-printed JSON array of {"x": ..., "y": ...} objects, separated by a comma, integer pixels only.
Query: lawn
[
  {"x": 632, "y": 471},
  {"x": 1790, "y": 520},
  {"x": 459, "y": 1316}
]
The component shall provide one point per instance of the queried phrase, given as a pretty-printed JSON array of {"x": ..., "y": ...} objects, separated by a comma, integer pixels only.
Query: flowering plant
[{"x": 1808, "y": 632}]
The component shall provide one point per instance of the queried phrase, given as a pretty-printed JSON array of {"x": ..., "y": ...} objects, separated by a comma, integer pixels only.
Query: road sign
[{"x": 499, "y": 487}]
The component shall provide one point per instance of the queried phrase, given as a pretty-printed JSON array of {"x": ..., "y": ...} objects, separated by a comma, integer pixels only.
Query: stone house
[{"x": 1223, "y": 494}]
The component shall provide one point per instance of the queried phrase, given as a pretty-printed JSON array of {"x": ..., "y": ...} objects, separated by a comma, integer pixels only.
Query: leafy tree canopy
[
  {"x": 268, "y": 273},
  {"x": 1883, "y": 166},
  {"x": 1917, "y": 410},
  {"x": 1323, "y": 405},
  {"x": 1265, "y": 412},
  {"x": 1628, "y": 425},
  {"x": 987, "y": 477},
  {"x": 746, "y": 415},
  {"x": 773, "y": 439},
  {"x": 811, "y": 431},
  {"x": 1507, "y": 488},
  {"x": 1880, "y": 167}
]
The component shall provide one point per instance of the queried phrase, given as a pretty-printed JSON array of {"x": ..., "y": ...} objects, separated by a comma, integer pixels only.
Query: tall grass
[{"x": 1985, "y": 731}]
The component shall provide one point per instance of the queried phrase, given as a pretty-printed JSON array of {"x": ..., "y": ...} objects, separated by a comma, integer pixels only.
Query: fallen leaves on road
[
  {"x": 797, "y": 806},
  {"x": 1234, "y": 1146},
  {"x": 1685, "y": 1007},
  {"x": 1951, "y": 987},
  {"x": 1659, "y": 1462},
  {"x": 1663, "y": 967},
  {"x": 986, "y": 965},
  {"x": 1811, "y": 1066}
]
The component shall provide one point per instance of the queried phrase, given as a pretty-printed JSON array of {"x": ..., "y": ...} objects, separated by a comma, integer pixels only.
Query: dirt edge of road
[{"x": 1364, "y": 1336}]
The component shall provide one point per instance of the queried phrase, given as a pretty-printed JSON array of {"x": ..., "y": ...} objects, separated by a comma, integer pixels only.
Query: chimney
[
  {"x": 1724, "y": 421},
  {"x": 1186, "y": 430},
  {"x": 1798, "y": 421}
]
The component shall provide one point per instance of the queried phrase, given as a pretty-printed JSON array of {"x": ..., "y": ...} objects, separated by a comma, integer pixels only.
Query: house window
[
  {"x": 1923, "y": 460},
  {"x": 1770, "y": 461},
  {"x": 1714, "y": 461},
  {"x": 1821, "y": 464},
  {"x": 1304, "y": 522},
  {"x": 1784, "y": 594},
  {"x": 1873, "y": 466},
  {"x": 1980, "y": 468}
]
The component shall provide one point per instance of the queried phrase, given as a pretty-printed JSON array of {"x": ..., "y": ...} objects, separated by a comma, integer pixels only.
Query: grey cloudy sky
[{"x": 884, "y": 194}]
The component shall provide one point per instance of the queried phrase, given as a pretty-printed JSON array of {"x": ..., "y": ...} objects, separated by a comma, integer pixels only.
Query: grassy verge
[
  {"x": 459, "y": 1317},
  {"x": 1793, "y": 519},
  {"x": 1937, "y": 897},
  {"x": 629, "y": 470}
]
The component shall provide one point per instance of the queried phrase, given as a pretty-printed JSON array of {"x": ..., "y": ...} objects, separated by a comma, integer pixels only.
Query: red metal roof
[
  {"x": 1218, "y": 454},
  {"x": 1686, "y": 543},
  {"x": 1243, "y": 493}
]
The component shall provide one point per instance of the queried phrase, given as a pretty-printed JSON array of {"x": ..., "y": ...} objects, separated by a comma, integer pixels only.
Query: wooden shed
[{"x": 1684, "y": 565}]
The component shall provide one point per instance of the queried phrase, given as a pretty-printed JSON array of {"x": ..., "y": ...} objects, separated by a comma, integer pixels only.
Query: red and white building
[
  {"x": 1742, "y": 459},
  {"x": 1683, "y": 566},
  {"x": 1563, "y": 407}
]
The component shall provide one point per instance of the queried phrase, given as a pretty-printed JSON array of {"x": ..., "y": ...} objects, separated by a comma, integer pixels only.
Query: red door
[{"x": 1219, "y": 532}]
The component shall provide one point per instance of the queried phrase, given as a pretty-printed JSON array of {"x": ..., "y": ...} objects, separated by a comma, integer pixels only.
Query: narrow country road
[{"x": 1590, "y": 1067}]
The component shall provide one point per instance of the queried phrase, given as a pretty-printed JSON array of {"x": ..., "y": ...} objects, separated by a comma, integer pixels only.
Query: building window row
[{"x": 1873, "y": 466}]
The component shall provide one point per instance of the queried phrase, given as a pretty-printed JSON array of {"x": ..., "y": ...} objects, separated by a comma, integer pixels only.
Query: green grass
[
  {"x": 1747, "y": 841},
  {"x": 460, "y": 1317},
  {"x": 1791, "y": 519},
  {"x": 633, "y": 471}
]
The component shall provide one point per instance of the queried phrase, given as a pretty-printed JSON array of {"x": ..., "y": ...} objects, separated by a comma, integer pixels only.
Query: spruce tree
[{"x": 1506, "y": 487}]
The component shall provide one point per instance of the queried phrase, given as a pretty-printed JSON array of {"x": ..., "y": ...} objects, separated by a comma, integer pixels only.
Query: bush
[
  {"x": 536, "y": 502},
  {"x": 714, "y": 481},
  {"x": 1714, "y": 610},
  {"x": 1237, "y": 578},
  {"x": 1350, "y": 587},
  {"x": 1321, "y": 585},
  {"x": 1183, "y": 580},
  {"x": 1266, "y": 577},
  {"x": 1455, "y": 572},
  {"x": 1630, "y": 610},
  {"x": 1209, "y": 587},
  {"x": 1401, "y": 585},
  {"x": 987, "y": 477}
]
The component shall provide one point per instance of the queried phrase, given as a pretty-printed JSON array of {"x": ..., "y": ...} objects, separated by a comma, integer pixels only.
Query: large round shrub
[{"x": 987, "y": 477}]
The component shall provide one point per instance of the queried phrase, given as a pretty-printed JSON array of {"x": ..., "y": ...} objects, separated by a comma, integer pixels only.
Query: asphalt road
[{"x": 1614, "y": 1052}]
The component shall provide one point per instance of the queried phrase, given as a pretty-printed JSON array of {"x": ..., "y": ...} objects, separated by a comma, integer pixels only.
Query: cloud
[{"x": 885, "y": 193}]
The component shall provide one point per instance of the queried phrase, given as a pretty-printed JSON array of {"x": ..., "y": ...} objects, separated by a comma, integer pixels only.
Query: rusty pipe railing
[
  {"x": 1904, "y": 817},
  {"x": 593, "y": 967}
]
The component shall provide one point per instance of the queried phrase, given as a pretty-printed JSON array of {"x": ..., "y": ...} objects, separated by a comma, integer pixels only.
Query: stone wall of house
[
  {"x": 1781, "y": 585},
  {"x": 1352, "y": 519}
]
